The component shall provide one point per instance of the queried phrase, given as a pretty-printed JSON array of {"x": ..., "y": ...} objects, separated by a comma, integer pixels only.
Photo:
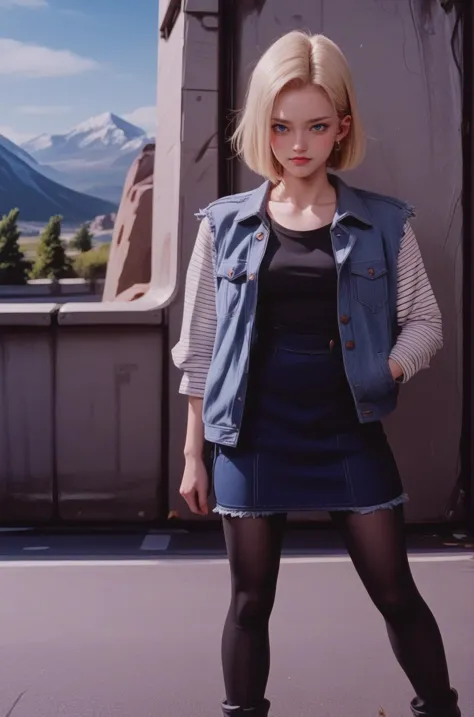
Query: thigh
[
  {"x": 376, "y": 543},
  {"x": 254, "y": 549}
]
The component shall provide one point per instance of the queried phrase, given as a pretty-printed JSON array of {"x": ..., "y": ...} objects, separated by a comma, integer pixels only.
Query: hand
[
  {"x": 195, "y": 485},
  {"x": 395, "y": 369}
]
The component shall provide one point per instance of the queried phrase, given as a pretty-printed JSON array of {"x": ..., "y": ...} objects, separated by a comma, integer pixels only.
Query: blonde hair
[{"x": 300, "y": 59}]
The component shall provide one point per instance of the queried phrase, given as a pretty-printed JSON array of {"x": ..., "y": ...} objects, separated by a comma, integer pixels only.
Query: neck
[{"x": 303, "y": 193}]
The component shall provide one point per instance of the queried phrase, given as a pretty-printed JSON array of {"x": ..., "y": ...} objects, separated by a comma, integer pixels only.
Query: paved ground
[{"x": 128, "y": 625}]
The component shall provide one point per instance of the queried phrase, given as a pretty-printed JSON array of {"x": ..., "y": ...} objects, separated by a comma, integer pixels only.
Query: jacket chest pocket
[
  {"x": 231, "y": 285},
  {"x": 370, "y": 283}
]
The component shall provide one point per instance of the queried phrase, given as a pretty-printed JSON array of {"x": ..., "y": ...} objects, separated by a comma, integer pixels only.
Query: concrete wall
[
  {"x": 198, "y": 178},
  {"x": 80, "y": 422},
  {"x": 26, "y": 423}
]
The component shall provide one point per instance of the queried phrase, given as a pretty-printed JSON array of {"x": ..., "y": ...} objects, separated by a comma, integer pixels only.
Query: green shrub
[{"x": 92, "y": 264}]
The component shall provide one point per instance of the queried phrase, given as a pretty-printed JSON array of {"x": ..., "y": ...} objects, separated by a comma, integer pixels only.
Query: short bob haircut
[{"x": 297, "y": 59}]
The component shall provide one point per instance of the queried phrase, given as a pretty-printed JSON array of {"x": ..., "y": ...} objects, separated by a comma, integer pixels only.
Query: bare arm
[
  {"x": 194, "y": 443},
  {"x": 195, "y": 483}
]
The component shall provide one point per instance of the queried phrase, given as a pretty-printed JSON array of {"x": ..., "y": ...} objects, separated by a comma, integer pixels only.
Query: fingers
[
  {"x": 202, "y": 502},
  {"x": 197, "y": 502},
  {"x": 191, "y": 499}
]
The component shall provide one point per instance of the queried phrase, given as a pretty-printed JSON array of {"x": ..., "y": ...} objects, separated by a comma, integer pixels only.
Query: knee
[
  {"x": 251, "y": 610},
  {"x": 398, "y": 606}
]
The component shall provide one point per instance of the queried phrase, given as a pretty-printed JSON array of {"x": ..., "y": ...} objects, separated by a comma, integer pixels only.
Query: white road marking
[
  {"x": 156, "y": 541},
  {"x": 412, "y": 558},
  {"x": 37, "y": 547},
  {"x": 189, "y": 560},
  {"x": 14, "y": 530}
]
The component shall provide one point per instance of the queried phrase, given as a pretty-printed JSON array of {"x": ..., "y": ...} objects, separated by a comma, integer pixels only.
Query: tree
[
  {"x": 14, "y": 267},
  {"x": 82, "y": 240},
  {"x": 52, "y": 261}
]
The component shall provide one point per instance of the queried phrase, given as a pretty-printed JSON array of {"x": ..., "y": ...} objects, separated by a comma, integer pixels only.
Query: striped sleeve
[
  {"x": 193, "y": 353},
  {"x": 419, "y": 317}
]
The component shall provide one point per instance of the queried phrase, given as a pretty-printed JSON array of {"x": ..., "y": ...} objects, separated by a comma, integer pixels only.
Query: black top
[{"x": 298, "y": 281}]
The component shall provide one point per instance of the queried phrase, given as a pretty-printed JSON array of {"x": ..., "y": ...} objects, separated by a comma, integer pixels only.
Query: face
[{"x": 304, "y": 130}]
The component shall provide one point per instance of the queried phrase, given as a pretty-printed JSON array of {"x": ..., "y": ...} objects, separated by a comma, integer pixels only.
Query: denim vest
[{"x": 366, "y": 233}]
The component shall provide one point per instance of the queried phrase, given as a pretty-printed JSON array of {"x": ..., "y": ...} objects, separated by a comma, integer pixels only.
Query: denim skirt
[{"x": 301, "y": 446}]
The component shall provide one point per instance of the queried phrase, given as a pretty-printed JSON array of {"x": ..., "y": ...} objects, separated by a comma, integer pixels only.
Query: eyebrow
[{"x": 311, "y": 121}]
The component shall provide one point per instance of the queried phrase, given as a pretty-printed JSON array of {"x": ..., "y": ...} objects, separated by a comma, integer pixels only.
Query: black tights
[{"x": 376, "y": 544}]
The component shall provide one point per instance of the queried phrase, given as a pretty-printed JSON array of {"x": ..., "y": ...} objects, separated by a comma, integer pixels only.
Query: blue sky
[{"x": 61, "y": 64}]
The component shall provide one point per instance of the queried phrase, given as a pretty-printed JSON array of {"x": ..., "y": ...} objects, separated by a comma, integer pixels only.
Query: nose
[{"x": 300, "y": 144}]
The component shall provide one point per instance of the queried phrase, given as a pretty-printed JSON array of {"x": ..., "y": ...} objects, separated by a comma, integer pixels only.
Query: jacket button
[
  {"x": 345, "y": 319},
  {"x": 371, "y": 272},
  {"x": 260, "y": 236},
  {"x": 367, "y": 413},
  {"x": 252, "y": 277},
  {"x": 350, "y": 345},
  {"x": 230, "y": 272}
]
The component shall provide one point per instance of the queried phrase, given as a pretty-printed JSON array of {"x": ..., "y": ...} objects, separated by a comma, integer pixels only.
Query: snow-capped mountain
[
  {"x": 87, "y": 155},
  {"x": 104, "y": 136},
  {"x": 38, "y": 197}
]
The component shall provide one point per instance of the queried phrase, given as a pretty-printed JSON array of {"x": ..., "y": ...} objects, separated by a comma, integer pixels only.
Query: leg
[
  {"x": 376, "y": 544},
  {"x": 254, "y": 548}
]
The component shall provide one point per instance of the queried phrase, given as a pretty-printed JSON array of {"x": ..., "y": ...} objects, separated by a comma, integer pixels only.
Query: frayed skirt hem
[{"x": 233, "y": 513}]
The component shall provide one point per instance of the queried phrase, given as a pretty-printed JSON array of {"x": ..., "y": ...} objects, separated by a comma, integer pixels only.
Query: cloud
[
  {"x": 43, "y": 109},
  {"x": 144, "y": 117},
  {"x": 24, "y": 3},
  {"x": 14, "y": 136},
  {"x": 26, "y": 60}
]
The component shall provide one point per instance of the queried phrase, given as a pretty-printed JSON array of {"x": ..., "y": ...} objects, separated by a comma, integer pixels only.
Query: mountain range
[
  {"x": 92, "y": 157},
  {"x": 78, "y": 172},
  {"x": 39, "y": 197}
]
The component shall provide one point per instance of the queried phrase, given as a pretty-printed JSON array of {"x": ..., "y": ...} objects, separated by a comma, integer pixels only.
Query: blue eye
[
  {"x": 321, "y": 126},
  {"x": 279, "y": 128}
]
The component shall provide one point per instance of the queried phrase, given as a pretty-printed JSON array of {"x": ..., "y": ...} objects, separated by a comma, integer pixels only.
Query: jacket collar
[{"x": 349, "y": 203}]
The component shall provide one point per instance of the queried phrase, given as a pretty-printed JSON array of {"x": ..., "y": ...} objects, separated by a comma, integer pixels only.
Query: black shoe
[
  {"x": 259, "y": 711},
  {"x": 449, "y": 708}
]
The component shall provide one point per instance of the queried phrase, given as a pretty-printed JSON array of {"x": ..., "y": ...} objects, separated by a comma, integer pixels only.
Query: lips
[{"x": 299, "y": 160}]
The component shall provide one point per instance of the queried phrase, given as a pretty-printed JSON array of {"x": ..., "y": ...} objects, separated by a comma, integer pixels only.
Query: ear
[{"x": 344, "y": 127}]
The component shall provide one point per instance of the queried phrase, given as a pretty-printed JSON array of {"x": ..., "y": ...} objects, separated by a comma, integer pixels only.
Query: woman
[{"x": 306, "y": 306}]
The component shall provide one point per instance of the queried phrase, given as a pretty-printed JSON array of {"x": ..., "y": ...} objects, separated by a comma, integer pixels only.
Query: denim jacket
[{"x": 366, "y": 233}]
